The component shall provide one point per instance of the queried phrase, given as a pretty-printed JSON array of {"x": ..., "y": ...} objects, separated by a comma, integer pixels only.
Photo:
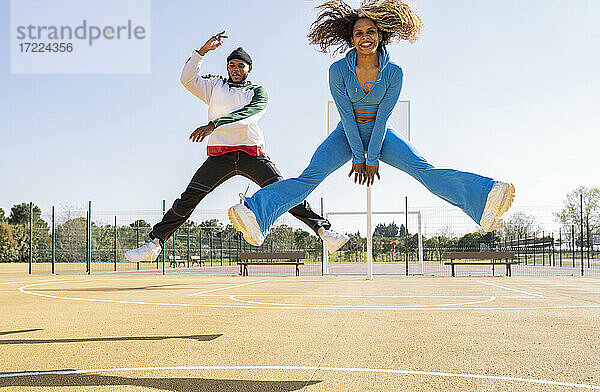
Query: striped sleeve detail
[{"x": 257, "y": 104}]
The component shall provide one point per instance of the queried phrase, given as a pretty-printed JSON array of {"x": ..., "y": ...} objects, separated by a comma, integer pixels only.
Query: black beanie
[{"x": 240, "y": 54}]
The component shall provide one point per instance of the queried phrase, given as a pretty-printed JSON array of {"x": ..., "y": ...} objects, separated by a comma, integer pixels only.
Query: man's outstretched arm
[{"x": 201, "y": 85}]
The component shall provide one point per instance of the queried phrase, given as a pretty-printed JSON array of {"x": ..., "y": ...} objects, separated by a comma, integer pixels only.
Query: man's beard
[{"x": 230, "y": 80}]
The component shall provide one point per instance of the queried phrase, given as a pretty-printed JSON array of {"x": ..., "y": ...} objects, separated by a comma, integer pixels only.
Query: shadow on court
[
  {"x": 20, "y": 331},
  {"x": 199, "y": 338},
  {"x": 115, "y": 289},
  {"x": 165, "y": 384}
]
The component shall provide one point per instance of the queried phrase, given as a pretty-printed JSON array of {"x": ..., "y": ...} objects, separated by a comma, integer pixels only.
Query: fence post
[
  {"x": 560, "y": 246},
  {"x": 200, "y": 246},
  {"x": 581, "y": 227},
  {"x": 163, "y": 251},
  {"x": 587, "y": 224},
  {"x": 552, "y": 256},
  {"x": 210, "y": 246},
  {"x": 115, "y": 241},
  {"x": 53, "y": 241},
  {"x": 229, "y": 248},
  {"x": 174, "y": 253},
  {"x": 573, "y": 244},
  {"x": 188, "y": 245},
  {"x": 30, "y": 235},
  {"x": 90, "y": 237},
  {"x": 221, "y": 246},
  {"x": 543, "y": 248}
]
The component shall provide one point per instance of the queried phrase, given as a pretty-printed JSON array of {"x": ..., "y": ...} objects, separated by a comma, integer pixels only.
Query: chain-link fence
[{"x": 82, "y": 240}]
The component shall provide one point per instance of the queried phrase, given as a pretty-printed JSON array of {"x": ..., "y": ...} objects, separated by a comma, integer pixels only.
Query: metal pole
[
  {"x": 573, "y": 244},
  {"x": 406, "y": 233},
  {"x": 534, "y": 246},
  {"x": 53, "y": 240},
  {"x": 174, "y": 254},
  {"x": 420, "y": 244},
  {"x": 137, "y": 233},
  {"x": 188, "y": 245},
  {"x": 200, "y": 246},
  {"x": 30, "y": 235},
  {"x": 221, "y": 245},
  {"x": 587, "y": 223},
  {"x": 115, "y": 241},
  {"x": 581, "y": 227},
  {"x": 560, "y": 246},
  {"x": 369, "y": 237},
  {"x": 552, "y": 256},
  {"x": 87, "y": 218},
  {"x": 324, "y": 251},
  {"x": 518, "y": 246},
  {"x": 543, "y": 249},
  {"x": 210, "y": 246},
  {"x": 163, "y": 251},
  {"x": 90, "y": 237}
]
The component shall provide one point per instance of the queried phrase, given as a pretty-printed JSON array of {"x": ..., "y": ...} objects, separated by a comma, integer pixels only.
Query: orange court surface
[{"x": 123, "y": 332}]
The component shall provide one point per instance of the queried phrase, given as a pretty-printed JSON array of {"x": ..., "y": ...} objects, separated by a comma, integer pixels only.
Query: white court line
[
  {"x": 326, "y": 351},
  {"x": 508, "y": 288},
  {"x": 35, "y": 281},
  {"x": 228, "y": 287},
  {"x": 308, "y": 368},
  {"x": 23, "y": 290},
  {"x": 318, "y": 306}
]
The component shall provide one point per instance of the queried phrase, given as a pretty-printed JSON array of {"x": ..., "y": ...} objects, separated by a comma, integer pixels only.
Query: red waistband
[{"x": 214, "y": 151}]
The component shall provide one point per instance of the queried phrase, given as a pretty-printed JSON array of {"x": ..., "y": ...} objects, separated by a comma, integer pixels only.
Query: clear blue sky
[{"x": 508, "y": 89}]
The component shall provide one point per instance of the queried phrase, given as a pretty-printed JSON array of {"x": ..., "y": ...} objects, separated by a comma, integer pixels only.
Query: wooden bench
[
  {"x": 197, "y": 260},
  {"x": 175, "y": 261},
  {"x": 293, "y": 257},
  {"x": 495, "y": 257}
]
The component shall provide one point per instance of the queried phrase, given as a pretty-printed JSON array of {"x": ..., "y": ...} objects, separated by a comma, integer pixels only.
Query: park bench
[
  {"x": 175, "y": 261},
  {"x": 292, "y": 257},
  {"x": 197, "y": 260},
  {"x": 496, "y": 258}
]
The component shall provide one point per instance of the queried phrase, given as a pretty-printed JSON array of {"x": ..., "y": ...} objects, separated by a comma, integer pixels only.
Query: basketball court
[{"x": 142, "y": 332}]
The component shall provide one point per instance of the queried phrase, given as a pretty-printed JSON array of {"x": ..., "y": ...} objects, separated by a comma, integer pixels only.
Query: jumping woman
[{"x": 365, "y": 86}]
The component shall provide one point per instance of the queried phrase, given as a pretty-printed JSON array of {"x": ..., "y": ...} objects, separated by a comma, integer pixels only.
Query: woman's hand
[
  {"x": 200, "y": 133},
  {"x": 370, "y": 173},
  {"x": 359, "y": 173},
  {"x": 213, "y": 43}
]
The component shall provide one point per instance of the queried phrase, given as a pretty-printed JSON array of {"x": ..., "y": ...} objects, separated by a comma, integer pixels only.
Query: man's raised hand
[
  {"x": 213, "y": 42},
  {"x": 200, "y": 133}
]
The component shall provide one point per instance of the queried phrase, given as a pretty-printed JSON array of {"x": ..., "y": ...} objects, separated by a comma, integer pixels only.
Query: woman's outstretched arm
[
  {"x": 344, "y": 107},
  {"x": 383, "y": 114}
]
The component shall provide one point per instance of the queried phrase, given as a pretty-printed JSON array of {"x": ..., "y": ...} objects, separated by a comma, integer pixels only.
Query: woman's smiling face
[{"x": 365, "y": 36}]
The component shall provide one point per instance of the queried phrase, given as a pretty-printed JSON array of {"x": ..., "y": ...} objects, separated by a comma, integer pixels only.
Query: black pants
[{"x": 216, "y": 170}]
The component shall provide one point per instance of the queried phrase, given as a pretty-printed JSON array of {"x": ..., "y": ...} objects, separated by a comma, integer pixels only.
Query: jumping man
[{"x": 235, "y": 147}]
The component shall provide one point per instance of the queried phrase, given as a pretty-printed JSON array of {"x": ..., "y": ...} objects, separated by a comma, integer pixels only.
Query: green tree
[
  {"x": 281, "y": 237},
  {"x": 139, "y": 223},
  {"x": 211, "y": 226},
  {"x": 570, "y": 213},
  {"x": 70, "y": 240},
  {"x": 386, "y": 230},
  {"x": 2, "y": 216},
  {"x": 19, "y": 214},
  {"x": 8, "y": 245},
  {"x": 518, "y": 225}
]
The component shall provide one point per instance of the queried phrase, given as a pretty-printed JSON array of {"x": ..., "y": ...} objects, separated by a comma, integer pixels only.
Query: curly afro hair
[{"x": 335, "y": 22}]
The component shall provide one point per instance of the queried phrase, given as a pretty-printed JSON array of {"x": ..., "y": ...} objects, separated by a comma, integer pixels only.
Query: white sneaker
[
  {"x": 244, "y": 220},
  {"x": 498, "y": 201},
  {"x": 332, "y": 240},
  {"x": 147, "y": 252}
]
